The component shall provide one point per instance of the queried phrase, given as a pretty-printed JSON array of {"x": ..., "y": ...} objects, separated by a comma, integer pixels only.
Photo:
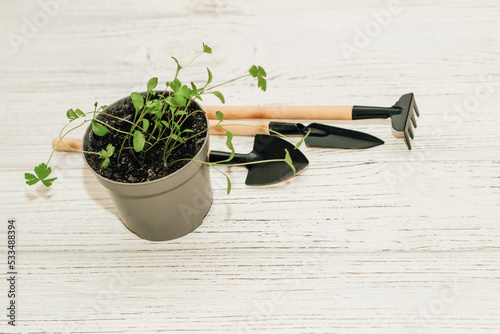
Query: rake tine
[
  {"x": 416, "y": 109},
  {"x": 407, "y": 140},
  {"x": 410, "y": 132},
  {"x": 413, "y": 120}
]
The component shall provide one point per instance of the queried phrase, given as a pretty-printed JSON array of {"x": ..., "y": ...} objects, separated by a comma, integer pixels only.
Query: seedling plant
[{"x": 157, "y": 121}]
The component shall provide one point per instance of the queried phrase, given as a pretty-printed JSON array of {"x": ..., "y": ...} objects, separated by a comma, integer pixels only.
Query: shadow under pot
[{"x": 161, "y": 209}]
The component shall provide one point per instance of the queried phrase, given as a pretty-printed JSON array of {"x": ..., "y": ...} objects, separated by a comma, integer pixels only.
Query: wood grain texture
[
  {"x": 282, "y": 112},
  {"x": 383, "y": 240}
]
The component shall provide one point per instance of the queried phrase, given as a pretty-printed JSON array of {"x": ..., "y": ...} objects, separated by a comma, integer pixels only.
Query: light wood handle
[
  {"x": 241, "y": 127},
  {"x": 238, "y": 128},
  {"x": 67, "y": 144},
  {"x": 282, "y": 112}
]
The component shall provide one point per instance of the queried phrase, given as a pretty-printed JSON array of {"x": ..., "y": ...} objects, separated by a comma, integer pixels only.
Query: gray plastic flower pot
[{"x": 166, "y": 208}]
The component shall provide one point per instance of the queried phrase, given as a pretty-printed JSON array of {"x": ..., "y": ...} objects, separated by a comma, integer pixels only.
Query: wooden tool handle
[
  {"x": 67, "y": 144},
  {"x": 282, "y": 112},
  {"x": 241, "y": 127},
  {"x": 238, "y": 128}
]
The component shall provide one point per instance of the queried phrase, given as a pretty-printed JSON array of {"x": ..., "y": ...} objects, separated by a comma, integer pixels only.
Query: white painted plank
[{"x": 377, "y": 240}]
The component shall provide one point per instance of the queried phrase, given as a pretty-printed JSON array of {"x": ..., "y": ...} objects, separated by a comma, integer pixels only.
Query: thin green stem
[
  {"x": 61, "y": 137},
  {"x": 232, "y": 165},
  {"x": 225, "y": 83},
  {"x": 109, "y": 126},
  {"x": 190, "y": 62}
]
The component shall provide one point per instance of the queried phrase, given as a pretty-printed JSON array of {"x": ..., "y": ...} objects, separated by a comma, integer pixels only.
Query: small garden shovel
[
  {"x": 317, "y": 135},
  {"x": 264, "y": 163}
]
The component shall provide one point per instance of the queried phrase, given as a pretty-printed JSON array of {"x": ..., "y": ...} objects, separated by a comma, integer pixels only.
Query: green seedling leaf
[
  {"x": 180, "y": 112},
  {"x": 165, "y": 123},
  {"x": 106, "y": 155},
  {"x": 259, "y": 73},
  {"x": 289, "y": 161},
  {"x": 42, "y": 171},
  {"x": 227, "y": 177},
  {"x": 31, "y": 179},
  {"x": 145, "y": 124},
  {"x": 71, "y": 114},
  {"x": 207, "y": 49},
  {"x": 110, "y": 149},
  {"x": 99, "y": 129},
  {"x": 181, "y": 95},
  {"x": 105, "y": 163},
  {"x": 253, "y": 71},
  {"x": 220, "y": 115},
  {"x": 262, "y": 83},
  {"x": 154, "y": 108},
  {"x": 195, "y": 91},
  {"x": 138, "y": 101},
  {"x": 299, "y": 143},
  {"x": 184, "y": 91},
  {"x": 175, "y": 85},
  {"x": 138, "y": 141},
  {"x": 177, "y": 126},
  {"x": 188, "y": 131},
  {"x": 179, "y": 67},
  {"x": 152, "y": 83},
  {"x": 176, "y": 137},
  {"x": 229, "y": 144},
  {"x": 179, "y": 101},
  {"x": 228, "y": 183},
  {"x": 74, "y": 114},
  {"x": 170, "y": 101},
  {"x": 219, "y": 95},
  {"x": 158, "y": 115},
  {"x": 210, "y": 77}
]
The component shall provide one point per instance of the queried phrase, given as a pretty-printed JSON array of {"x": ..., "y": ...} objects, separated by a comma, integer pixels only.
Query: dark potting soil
[{"x": 128, "y": 169}]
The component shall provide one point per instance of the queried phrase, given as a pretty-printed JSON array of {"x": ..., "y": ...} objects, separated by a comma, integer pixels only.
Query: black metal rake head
[
  {"x": 403, "y": 115},
  {"x": 404, "y": 121}
]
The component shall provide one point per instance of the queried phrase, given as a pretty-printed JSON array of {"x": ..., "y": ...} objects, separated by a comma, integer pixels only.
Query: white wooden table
[{"x": 383, "y": 240}]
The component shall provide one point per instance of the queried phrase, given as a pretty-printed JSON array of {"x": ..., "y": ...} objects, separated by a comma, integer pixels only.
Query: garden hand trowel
[
  {"x": 261, "y": 162},
  {"x": 319, "y": 135}
]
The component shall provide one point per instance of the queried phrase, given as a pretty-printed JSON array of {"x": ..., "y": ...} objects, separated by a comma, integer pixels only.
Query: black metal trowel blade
[
  {"x": 269, "y": 148},
  {"x": 262, "y": 170},
  {"x": 327, "y": 136},
  {"x": 334, "y": 137}
]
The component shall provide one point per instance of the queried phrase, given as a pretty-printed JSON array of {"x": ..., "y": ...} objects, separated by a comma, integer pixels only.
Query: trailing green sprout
[{"x": 158, "y": 119}]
